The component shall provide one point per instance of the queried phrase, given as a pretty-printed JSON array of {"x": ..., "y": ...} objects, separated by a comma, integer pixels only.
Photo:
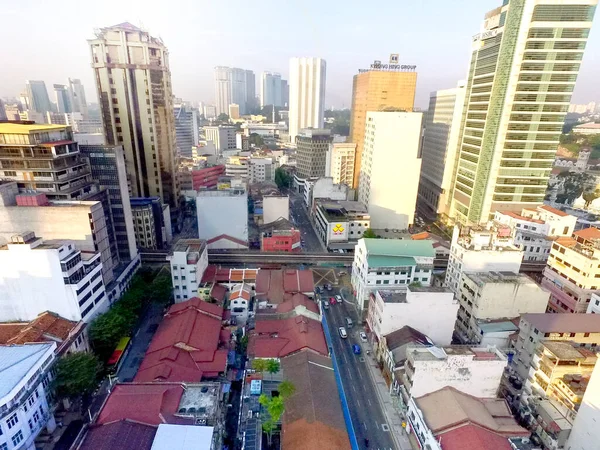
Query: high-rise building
[
  {"x": 234, "y": 111},
  {"x": 134, "y": 84},
  {"x": 312, "y": 146},
  {"x": 270, "y": 89},
  {"x": 285, "y": 94},
  {"x": 107, "y": 164},
  {"x": 524, "y": 65},
  {"x": 209, "y": 111},
  {"x": 77, "y": 93},
  {"x": 63, "y": 99},
  {"x": 378, "y": 89},
  {"x": 234, "y": 85},
  {"x": 186, "y": 128},
  {"x": 3, "y": 115},
  {"x": 307, "y": 94},
  {"x": 440, "y": 144},
  {"x": 222, "y": 89},
  {"x": 37, "y": 96},
  {"x": 250, "y": 92},
  {"x": 340, "y": 163},
  {"x": 391, "y": 165},
  {"x": 222, "y": 136},
  {"x": 238, "y": 89}
]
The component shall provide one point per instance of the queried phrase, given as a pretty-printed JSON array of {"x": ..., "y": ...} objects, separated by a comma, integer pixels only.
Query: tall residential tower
[
  {"x": 134, "y": 88},
  {"x": 524, "y": 65},
  {"x": 307, "y": 94}
]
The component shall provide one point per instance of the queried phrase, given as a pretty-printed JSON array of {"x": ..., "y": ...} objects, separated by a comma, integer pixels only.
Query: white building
[
  {"x": 481, "y": 249},
  {"x": 389, "y": 263},
  {"x": 239, "y": 302},
  {"x": 238, "y": 167},
  {"x": 189, "y": 260},
  {"x": 38, "y": 276},
  {"x": 594, "y": 306},
  {"x": 475, "y": 371},
  {"x": 339, "y": 164},
  {"x": 275, "y": 207},
  {"x": 261, "y": 169},
  {"x": 315, "y": 188},
  {"x": 24, "y": 380},
  {"x": 223, "y": 136},
  {"x": 307, "y": 94},
  {"x": 223, "y": 218},
  {"x": 490, "y": 296},
  {"x": 390, "y": 310},
  {"x": 440, "y": 144},
  {"x": 585, "y": 430},
  {"x": 390, "y": 168},
  {"x": 340, "y": 223}
]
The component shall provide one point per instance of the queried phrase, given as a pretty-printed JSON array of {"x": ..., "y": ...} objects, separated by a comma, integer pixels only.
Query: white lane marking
[
  {"x": 354, "y": 388},
  {"x": 349, "y": 373},
  {"x": 358, "y": 402},
  {"x": 365, "y": 425},
  {"x": 369, "y": 400},
  {"x": 377, "y": 425},
  {"x": 345, "y": 359},
  {"x": 360, "y": 375}
]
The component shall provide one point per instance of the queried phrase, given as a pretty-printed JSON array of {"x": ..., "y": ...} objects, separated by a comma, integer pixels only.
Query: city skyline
[{"x": 438, "y": 46}]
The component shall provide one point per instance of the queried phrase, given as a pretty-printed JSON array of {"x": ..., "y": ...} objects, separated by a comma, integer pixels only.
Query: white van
[{"x": 342, "y": 332}]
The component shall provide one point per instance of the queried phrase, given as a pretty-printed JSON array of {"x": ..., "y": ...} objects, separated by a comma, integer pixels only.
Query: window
[
  {"x": 4, "y": 446},
  {"x": 12, "y": 421},
  {"x": 30, "y": 422},
  {"x": 17, "y": 438},
  {"x": 586, "y": 334}
]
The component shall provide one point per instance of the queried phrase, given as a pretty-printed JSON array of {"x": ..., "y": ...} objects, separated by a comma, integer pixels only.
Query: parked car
[
  {"x": 342, "y": 332},
  {"x": 329, "y": 287},
  {"x": 325, "y": 305},
  {"x": 363, "y": 336},
  {"x": 338, "y": 298},
  {"x": 332, "y": 300},
  {"x": 356, "y": 349}
]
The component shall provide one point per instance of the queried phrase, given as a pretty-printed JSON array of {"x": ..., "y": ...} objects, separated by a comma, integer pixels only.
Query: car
[
  {"x": 325, "y": 305},
  {"x": 329, "y": 287},
  {"x": 338, "y": 298},
  {"x": 342, "y": 332},
  {"x": 332, "y": 300},
  {"x": 356, "y": 349},
  {"x": 363, "y": 336}
]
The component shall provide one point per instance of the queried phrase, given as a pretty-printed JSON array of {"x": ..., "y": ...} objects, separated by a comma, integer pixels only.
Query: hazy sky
[{"x": 46, "y": 40}]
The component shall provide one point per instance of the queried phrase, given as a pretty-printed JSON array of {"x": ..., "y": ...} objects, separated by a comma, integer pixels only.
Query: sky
[{"x": 44, "y": 40}]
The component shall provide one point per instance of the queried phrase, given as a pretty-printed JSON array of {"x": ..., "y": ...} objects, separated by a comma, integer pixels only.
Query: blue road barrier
[{"x": 338, "y": 379}]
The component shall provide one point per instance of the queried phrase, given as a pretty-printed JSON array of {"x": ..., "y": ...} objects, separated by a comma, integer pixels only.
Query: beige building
[
  {"x": 340, "y": 163},
  {"x": 377, "y": 90},
  {"x": 311, "y": 152},
  {"x": 573, "y": 271},
  {"x": 133, "y": 80}
]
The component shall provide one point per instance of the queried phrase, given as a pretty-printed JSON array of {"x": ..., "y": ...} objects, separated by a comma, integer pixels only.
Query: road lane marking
[
  {"x": 365, "y": 425},
  {"x": 360, "y": 375},
  {"x": 354, "y": 388},
  {"x": 369, "y": 400},
  {"x": 358, "y": 402},
  {"x": 349, "y": 373},
  {"x": 345, "y": 359},
  {"x": 377, "y": 425}
]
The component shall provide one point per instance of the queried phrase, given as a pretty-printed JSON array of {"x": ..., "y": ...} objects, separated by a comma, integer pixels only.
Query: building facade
[
  {"x": 37, "y": 99},
  {"x": 307, "y": 94},
  {"x": 377, "y": 90},
  {"x": 339, "y": 163},
  {"x": 188, "y": 260},
  {"x": 340, "y": 223},
  {"x": 207, "y": 177},
  {"x": 133, "y": 81},
  {"x": 524, "y": 64},
  {"x": 151, "y": 222},
  {"x": 391, "y": 163},
  {"x": 270, "y": 89},
  {"x": 220, "y": 230},
  {"x": 186, "y": 128},
  {"x": 63, "y": 99},
  {"x": 223, "y": 136},
  {"x": 311, "y": 152},
  {"x": 440, "y": 145},
  {"x": 585, "y": 429},
  {"x": 78, "y": 101}
]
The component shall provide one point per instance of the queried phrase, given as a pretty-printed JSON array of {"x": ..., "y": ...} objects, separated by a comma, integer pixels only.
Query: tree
[
  {"x": 286, "y": 389},
  {"x": 416, "y": 284},
  {"x": 275, "y": 407},
  {"x": 282, "y": 178},
  {"x": 223, "y": 117},
  {"x": 256, "y": 140},
  {"x": 589, "y": 197},
  {"x": 77, "y": 374},
  {"x": 273, "y": 366},
  {"x": 260, "y": 365},
  {"x": 369, "y": 234}
]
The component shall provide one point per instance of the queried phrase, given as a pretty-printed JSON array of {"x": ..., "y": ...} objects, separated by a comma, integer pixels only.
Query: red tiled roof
[
  {"x": 294, "y": 300},
  {"x": 519, "y": 217},
  {"x": 218, "y": 292},
  {"x": 558, "y": 212},
  {"x": 588, "y": 233},
  {"x": 215, "y": 274},
  {"x": 121, "y": 434},
  {"x": 472, "y": 437},
  {"x": 273, "y": 284},
  {"x": 227, "y": 238},
  {"x": 147, "y": 403},
  {"x": 186, "y": 344},
  {"x": 282, "y": 337},
  {"x": 240, "y": 291}
]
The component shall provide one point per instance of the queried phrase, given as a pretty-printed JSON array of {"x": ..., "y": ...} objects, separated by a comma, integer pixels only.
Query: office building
[
  {"x": 573, "y": 273},
  {"x": 133, "y": 81},
  {"x": 251, "y": 101},
  {"x": 223, "y": 136},
  {"x": 229, "y": 230},
  {"x": 151, "y": 222},
  {"x": 77, "y": 96},
  {"x": 233, "y": 85},
  {"x": 285, "y": 94},
  {"x": 524, "y": 64},
  {"x": 25, "y": 371},
  {"x": 261, "y": 169},
  {"x": 377, "y": 89},
  {"x": 222, "y": 90},
  {"x": 107, "y": 165},
  {"x": 46, "y": 159},
  {"x": 52, "y": 275},
  {"x": 307, "y": 94},
  {"x": 63, "y": 99},
  {"x": 188, "y": 260},
  {"x": 491, "y": 296},
  {"x": 391, "y": 164},
  {"x": 440, "y": 145},
  {"x": 186, "y": 128},
  {"x": 391, "y": 310},
  {"x": 234, "y": 111},
  {"x": 339, "y": 223},
  {"x": 475, "y": 371},
  {"x": 311, "y": 152},
  {"x": 339, "y": 163},
  {"x": 238, "y": 167},
  {"x": 481, "y": 249},
  {"x": 270, "y": 89},
  {"x": 210, "y": 111},
  {"x": 585, "y": 427},
  {"x": 391, "y": 264},
  {"x": 3, "y": 115},
  {"x": 37, "y": 96}
]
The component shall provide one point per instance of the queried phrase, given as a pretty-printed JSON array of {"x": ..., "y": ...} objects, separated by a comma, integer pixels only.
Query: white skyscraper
[
  {"x": 270, "y": 89},
  {"x": 307, "y": 94},
  {"x": 233, "y": 85},
  {"x": 222, "y": 89}
]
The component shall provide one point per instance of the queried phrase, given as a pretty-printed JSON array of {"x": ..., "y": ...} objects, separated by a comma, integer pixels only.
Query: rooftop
[
  {"x": 481, "y": 278},
  {"x": 497, "y": 326},
  {"x": 16, "y": 361},
  {"x": 558, "y": 212},
  {"x": 405, "y": 335},
  {"x": 272, "y": 285},
  {"x": 190, "y": 245},
  {"x": 564, "y": 323},
  {"x": 183, "y": 437},
  {"x": 120, "y": 434},
  {"x": 568, "y": 350},
  {"x": 591, "y": 233},
  {"x": 341, "y": 209},
  {"x": 21, "y": 128},
  {"x": 399, "y": 247},
  {"x": 433, "y": 353}
]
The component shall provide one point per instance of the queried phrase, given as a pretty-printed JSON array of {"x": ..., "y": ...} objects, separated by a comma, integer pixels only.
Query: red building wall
[
  {"x": 207, "y": 177},
  {"x": 282, "y": 243}
]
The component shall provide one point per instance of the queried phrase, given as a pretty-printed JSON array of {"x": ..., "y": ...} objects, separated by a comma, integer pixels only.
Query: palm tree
[
  {"x": 260, "y": 365},
  {"x": 273, "y": 366},
  {"x": 286, "y": 389}
]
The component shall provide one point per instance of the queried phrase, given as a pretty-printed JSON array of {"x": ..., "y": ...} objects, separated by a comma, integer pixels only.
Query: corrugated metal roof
[
  {"x": 16, "y": 361},
  {"x": 400, "y": 247}
]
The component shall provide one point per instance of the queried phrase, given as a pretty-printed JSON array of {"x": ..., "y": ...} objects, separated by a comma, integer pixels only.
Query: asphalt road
[
  {"x": 299, "y": 217},
  {"x": 365, "y": 410}
]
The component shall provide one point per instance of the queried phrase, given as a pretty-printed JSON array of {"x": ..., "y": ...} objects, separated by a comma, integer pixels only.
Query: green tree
[
  {"x": 273, "y": 366},
  {"x": 286, "y": 389},
  {"x": 369, "y": 234},
  {"x": 282, "y": 178},
  {"x": 260, "y": 365},
  {"x": 76, "y": 374},
  {"x": 256, "y": 140},
  {"x": 223, "y": 117},
  {"x": 275, "y": 408}
]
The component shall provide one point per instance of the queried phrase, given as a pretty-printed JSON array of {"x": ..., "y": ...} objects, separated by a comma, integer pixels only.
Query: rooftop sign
[{"x": 393, "y": 66}]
